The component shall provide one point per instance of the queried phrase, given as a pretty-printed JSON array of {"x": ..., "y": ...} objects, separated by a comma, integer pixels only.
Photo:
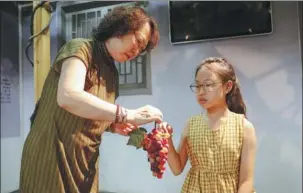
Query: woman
[
  {"x": 221, "y": 143},
  {"x": 61, "y": 152}
]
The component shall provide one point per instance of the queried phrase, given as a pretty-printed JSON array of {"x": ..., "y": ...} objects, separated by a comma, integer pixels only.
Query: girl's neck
[{"x": 217, "y": 112}]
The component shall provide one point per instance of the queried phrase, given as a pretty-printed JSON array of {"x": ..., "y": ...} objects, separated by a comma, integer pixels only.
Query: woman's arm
[
  {"x": 247, "y": 159},
  {"x": 72, "y": 97},
  {"x": 177, "y": 159}
]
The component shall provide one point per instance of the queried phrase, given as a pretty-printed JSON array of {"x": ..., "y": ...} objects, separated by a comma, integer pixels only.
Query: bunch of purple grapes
[{"x": 156, "y": 145}]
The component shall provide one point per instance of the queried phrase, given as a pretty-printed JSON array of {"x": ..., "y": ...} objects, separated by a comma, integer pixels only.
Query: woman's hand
[
  {"x": 144, "y": 115},
  {"x": 122, "y": 128}
]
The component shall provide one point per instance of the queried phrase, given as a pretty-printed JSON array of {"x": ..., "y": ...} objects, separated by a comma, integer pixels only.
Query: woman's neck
[{"x": 108, "y": 48}]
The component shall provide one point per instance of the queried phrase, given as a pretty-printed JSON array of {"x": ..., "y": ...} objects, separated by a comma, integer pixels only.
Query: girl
[{"x": 221, "y": 143}]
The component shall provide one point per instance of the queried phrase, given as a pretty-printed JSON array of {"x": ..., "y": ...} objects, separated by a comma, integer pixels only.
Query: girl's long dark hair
[{"x": 225, "y": 71}]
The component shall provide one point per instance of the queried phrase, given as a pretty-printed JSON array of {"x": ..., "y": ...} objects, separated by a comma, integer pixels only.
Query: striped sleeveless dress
[
  {"x": 60, "y": 153},
  {"x": 214, "y": 155}
]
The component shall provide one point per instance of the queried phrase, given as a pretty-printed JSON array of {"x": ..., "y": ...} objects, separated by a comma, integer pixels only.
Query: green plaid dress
[
  {"x": 60, "y": 154},
  {"x": 214, "y": 155}
]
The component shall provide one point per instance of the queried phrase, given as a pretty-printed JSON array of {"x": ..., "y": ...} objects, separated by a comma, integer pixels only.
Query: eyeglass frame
[{"x": 198, "y": 87}]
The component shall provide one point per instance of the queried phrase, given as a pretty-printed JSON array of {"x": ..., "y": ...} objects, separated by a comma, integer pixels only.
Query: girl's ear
[{"x": 229, "y": 86}]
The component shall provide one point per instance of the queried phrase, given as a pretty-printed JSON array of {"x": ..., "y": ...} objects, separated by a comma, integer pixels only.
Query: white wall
[
  {"x": 10, "y": 111},
  {"x": 270, "y": 73}
]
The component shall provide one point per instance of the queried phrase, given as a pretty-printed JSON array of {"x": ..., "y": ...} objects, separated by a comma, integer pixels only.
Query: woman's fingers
[
  {"x": 124, "y": 131},
  {"x": 131, "y": 126},
  {"x": 127, "y": 130}
]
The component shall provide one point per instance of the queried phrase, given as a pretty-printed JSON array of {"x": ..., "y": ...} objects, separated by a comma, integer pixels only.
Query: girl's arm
[
  {"x": 177, "y": 159},
  {"x": 247, "y": 159}
]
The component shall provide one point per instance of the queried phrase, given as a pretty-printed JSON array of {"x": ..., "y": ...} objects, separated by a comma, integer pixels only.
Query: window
[{"x": 134, "y": 75}]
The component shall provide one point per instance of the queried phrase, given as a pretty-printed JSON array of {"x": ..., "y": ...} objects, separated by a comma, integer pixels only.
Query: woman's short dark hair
[{"x": 123, "y": 20}]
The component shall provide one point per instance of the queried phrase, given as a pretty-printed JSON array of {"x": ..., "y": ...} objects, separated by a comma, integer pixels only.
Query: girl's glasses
[{"x": 208, "y": 87}]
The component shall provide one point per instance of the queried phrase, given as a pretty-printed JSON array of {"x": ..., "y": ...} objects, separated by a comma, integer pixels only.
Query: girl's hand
[
  {"x": 122, "y": 128},
  {"x": 166, "y": 128}
]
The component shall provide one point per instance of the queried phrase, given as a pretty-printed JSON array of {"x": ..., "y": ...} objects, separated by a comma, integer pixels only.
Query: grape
[
  {"x": 153, "y": 149},
  {"x": 162, "y": 168},
  {"x": 150, "y": 135},
  {"x": 153, "y": 155},
  {"x": 156, "y": 145},
  {"x": 159, "y": 175},
  {"x": 155, "y": 169},
  {"x": 158, "y": 159},
  {"x": 162, "y": 153},
  {"x": 155, "y": 131},
  {"x": 165, "y": 149},
  {"x": 153, "y": 164},
  {"x": 164, "y": 142}
]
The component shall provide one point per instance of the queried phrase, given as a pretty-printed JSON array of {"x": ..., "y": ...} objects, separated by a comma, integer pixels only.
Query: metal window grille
[{"x": 132, "y": 74}]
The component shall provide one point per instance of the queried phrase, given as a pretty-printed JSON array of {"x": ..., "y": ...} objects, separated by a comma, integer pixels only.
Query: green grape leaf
[{"x": 136, "y": 137}]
